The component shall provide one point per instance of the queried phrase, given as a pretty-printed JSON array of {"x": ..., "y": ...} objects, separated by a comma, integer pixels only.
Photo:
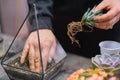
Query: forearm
[{"x": 44, "y": 9}]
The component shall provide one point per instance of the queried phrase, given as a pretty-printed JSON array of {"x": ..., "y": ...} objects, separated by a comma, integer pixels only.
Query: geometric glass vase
[{"x": 11, "y": 61}]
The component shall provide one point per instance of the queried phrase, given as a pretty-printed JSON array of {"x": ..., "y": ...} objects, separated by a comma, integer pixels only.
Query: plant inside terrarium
[
  {"x": 16, "y": 63},
  {"x": 86, "y": 21},
  {"x": 16, "y": 70}
]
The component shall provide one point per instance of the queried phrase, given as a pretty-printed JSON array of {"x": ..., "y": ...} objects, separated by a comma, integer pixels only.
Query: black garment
[
  {"x": 47, "y": 8},
  {"x": 62, "y": 12},
  {"x": 44, "y": 10}
]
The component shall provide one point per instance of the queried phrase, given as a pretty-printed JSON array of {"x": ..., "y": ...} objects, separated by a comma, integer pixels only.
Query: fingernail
[
  {"x": 111, "y": 27},
  {"x": 21, "y": 64},
  {"x": 49, "y": 60},
  {"x": 21, "y": 61}
]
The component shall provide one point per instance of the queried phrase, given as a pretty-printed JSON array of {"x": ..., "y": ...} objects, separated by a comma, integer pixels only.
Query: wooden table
[{"x": 72, "y": 63}]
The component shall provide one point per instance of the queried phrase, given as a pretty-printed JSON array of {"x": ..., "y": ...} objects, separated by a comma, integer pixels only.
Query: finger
[
  {"x": 100, "y": 7},
  {"x": 45, "y": 56},
  {"x": 32, "y": 58},
  {"x": 104, "y": 26},
  {"x": 107, "y": 24},
  {"x": 24, "y": 53},
  {"x": 108, "y": 16},
  {"x": 52, "y": 50},
  {"x": 38, "y": 63}
]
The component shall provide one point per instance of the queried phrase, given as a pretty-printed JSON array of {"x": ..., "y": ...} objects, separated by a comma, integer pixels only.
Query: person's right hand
[
  {"x": 31, "y": 48},
  {"x": 107, "y": 20}
]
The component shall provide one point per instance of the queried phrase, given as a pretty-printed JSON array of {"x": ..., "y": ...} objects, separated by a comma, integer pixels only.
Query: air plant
[{"x": 88, "y": 20}]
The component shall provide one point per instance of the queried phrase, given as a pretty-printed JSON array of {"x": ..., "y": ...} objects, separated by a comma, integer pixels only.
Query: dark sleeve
[{"x": 44, "y": 9}]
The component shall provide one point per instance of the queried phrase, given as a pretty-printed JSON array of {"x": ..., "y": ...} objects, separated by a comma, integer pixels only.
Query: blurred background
[{"x": 12, "y": 15}]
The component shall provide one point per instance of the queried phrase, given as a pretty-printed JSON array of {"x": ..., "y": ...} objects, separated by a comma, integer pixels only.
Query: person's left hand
[
  {"x": 31, "y": 49},
  {"x": 107, "y": 20}
]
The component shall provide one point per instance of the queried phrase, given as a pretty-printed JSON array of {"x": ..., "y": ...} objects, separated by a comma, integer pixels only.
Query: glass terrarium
[
  {"x": 1, "y": 46},
  {"x": 16, "y": 71},
  {"x": 13, "y": 68}
]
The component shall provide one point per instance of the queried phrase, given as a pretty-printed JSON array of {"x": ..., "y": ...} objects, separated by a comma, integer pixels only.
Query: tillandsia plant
[{"x": 87, "y": 20}]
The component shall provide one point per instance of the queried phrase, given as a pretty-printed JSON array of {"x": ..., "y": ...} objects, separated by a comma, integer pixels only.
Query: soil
[{"x": 16, "y": 63}]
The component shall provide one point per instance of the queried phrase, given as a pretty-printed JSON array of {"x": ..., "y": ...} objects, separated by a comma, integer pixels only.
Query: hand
[
  {"x": 107, "y": 20},
  {"x": 31, "y": 48}
]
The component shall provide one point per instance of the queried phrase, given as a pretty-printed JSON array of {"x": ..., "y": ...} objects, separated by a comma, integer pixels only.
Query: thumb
[{"x": 100, "y": 7}]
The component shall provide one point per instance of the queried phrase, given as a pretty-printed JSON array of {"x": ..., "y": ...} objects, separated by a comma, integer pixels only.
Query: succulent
[
  {"x": 87, "y": 20},
  {"x": 92, "y": 74},
  {"x": 108, "y": 61}
]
